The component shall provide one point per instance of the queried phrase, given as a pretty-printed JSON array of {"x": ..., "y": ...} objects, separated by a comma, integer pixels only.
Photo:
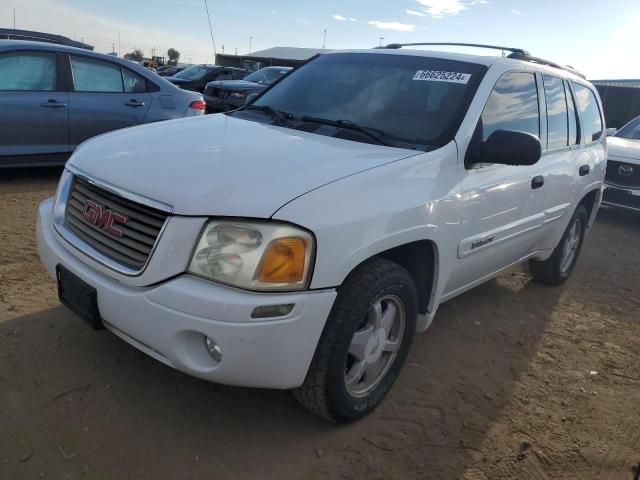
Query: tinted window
[
  {"x": 95, "y": 76},
  {"x": 225, "y": 75},
  {"x": 193, "y": 73},
  {"x": 28, "y": 71},
  {"x": 573, "y": 116},
  {"x": 590, "y": 113},
  {"x": 267, "y": 76},
  {"x": 411, "y": 101},
  {"x": 133, "y": 83},
  {"x": 557, "y": 118},
  {"x": 630, "y": 130},
  {"x": 512, "y": 105}
]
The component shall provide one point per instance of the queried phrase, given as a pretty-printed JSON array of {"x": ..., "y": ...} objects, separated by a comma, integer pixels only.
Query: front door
[
  {"x": 104, "y": 97},
  {"x": 34, "y": 123},
  {"x": 501, "y": 221}
]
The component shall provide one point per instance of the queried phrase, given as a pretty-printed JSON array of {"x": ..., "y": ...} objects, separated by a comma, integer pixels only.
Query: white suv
[{"x": 299, "y": 242}]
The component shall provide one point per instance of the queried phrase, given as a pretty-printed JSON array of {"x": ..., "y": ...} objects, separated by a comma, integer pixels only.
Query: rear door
[
  {"x": 557, "y": 168},
  {"x": 33, "y": 107},
  {"x": 104, "y": 96}
]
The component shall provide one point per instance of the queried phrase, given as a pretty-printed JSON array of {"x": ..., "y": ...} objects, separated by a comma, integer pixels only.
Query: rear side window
[
  {"x": 95, "y": 76},
  {"x": 512, "y": 105},
  {"x": 573, "y": 116},
  {"x": 133, "y": 83},
  {"x": 28, "y": 71},
  {"x": 557, "y": 114},
  {"x": 590, "y": 113}
]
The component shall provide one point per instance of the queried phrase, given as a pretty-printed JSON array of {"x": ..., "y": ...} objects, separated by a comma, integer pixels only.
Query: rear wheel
[
  {"x": 364, "y": 343},
  {"x": 558, "y": 267}
]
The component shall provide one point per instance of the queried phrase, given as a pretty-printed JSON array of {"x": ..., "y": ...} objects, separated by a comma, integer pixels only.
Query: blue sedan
[{"x": 54, "y": 97}]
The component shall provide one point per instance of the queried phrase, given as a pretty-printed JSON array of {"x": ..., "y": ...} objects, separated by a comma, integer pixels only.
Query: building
[
  {"x": 276, "y": 56},
  {"x": 12, "y": 34},
  {"x": 620, "y": 99}
]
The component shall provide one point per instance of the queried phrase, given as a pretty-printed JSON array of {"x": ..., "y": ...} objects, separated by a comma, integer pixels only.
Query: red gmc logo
[{"x": 103, "y": 218}]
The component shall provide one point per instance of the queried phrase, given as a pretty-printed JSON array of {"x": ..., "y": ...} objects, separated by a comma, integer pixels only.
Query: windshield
[
  {"x": 266, "y": 76},
  {"x": 193, "y": 73},
  {"x": 407, "y": 100},
  {"x": 631, "y": 130}
]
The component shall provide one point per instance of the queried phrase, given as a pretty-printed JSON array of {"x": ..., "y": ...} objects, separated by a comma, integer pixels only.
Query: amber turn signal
[{"x": 283, "y": 261}]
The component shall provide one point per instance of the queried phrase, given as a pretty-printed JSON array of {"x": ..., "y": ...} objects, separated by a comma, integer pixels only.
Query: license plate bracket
[{"x": 79, "y": 297}]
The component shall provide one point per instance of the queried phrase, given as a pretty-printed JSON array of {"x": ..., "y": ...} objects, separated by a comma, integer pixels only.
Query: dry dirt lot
[{"x": 514, "y": 381}]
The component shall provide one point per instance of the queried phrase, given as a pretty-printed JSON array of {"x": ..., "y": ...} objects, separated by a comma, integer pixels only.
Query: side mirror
[
  {"x": 611, "y": 132},
  {"x": 250, "y": 98},
  {"x": 509, "y": 147}
]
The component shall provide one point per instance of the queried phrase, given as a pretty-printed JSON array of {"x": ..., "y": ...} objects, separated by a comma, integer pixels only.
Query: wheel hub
[{"x": 373, "y": 351}]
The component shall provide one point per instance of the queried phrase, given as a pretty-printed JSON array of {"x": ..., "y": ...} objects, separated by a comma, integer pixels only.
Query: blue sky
[{"x": 599, "y": 38}]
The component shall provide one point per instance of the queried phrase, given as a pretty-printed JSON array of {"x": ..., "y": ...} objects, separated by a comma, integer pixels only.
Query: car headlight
[
  {"x": 238, "y": 94},
  {"x": 254, "y": 255}
]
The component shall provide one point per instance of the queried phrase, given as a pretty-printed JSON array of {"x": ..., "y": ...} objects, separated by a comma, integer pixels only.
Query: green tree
[
  {"x": 173, "y": 55},
  {"x": 136, "y": 55}
]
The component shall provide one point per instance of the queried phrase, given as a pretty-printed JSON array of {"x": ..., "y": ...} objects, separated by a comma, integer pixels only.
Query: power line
[{"x": 210, "y": 27}]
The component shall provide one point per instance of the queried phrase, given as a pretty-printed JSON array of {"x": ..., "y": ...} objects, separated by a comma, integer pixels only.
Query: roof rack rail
[
  {"x": 516, "y": 53},
  {"x": 542, "y": 61},
  {"x": 476, "y": 45}
]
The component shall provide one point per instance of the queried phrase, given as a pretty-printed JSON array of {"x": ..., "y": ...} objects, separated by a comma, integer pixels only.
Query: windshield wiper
[
  {"x": 278, "y": 116},
  {"x": 372, "y": 133}
]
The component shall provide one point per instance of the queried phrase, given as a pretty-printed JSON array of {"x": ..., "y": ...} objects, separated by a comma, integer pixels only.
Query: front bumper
[
  {"x": 621, "y": 197},
  {"x": 169, "y": 320}
]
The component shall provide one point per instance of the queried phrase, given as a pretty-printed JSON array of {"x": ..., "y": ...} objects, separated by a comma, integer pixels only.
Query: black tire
[
  {"x": 324, "y": 390},
  {"x": 550, "y": 271}
]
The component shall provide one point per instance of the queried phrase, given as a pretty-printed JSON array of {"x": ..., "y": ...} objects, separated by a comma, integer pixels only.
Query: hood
[
  {"x": 236, "y": 85},
  {"x": 220, "y": 165},
  {"x": 624, "y": 147}
]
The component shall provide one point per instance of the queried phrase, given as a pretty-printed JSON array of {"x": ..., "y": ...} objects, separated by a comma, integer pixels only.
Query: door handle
[
  {"x": 537, "y": 182},
  {"x": 584, "y": 170},
  {"x": 134, "y": 103},
  {"x": 51, "y": 103}
]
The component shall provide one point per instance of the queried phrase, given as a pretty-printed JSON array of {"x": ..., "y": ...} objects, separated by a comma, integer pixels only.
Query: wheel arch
[{"x": 591, "y": 201}]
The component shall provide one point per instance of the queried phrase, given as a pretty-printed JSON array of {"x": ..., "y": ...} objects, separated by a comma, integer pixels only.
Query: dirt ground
[{"x": 514, "y": 381}]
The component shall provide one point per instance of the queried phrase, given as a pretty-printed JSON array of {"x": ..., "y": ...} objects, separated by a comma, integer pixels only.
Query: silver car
[{"x": 55, "y": 97}]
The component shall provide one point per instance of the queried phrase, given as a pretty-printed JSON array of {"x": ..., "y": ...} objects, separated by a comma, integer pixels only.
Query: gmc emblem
[{"x": 103, "y": 218}]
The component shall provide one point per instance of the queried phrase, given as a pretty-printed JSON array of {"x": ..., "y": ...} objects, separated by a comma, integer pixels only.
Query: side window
[
  {"x": 226, "y": 75},
  {"x": 512, "y": 105},
  {"x": 590, "y": 113},
  {"x": 573, "y": 116},
  {"x": 133, "y": 83},
  {"x": 557, "y": 118},
  {"x": 239, "y": 74},
  {"x": 95, "y": 76},
  {"x": 28, "y": 71}
]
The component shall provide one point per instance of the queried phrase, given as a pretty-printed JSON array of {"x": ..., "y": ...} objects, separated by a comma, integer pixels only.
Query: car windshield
[
  {"x": 409, "y": 101},
  {"x": 631, "y": 130},
  {"x": 266, "y": 76},
  {"x": 193, "y": 73}
]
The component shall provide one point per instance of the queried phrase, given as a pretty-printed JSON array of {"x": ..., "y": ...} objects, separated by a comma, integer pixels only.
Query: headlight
[
  {"x": 238, "y": 94},
  {"x": 254, "y": 255}
]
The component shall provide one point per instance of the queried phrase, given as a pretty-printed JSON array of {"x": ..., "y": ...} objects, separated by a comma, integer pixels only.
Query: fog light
[
  {"x": 213, "y": 348},
  {"x": 267, "y": 311}
]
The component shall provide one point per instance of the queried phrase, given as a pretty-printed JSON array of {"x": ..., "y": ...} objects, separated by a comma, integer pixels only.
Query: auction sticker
[{"x": 440, "y": 76}]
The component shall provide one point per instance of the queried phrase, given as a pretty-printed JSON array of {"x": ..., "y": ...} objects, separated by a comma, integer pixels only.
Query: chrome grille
[{"x": 138, "y": 234}]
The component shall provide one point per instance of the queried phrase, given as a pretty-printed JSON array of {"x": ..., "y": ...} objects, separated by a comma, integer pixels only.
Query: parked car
[
  {"x": 299, "y": 242},
  {"x": 225, "y": 95},
  {"x": 170, "y": 71},
  {"x": 54, "y": 97},
  {"x": 623, "y": 168},
  {"x": 196, "y": 77}
]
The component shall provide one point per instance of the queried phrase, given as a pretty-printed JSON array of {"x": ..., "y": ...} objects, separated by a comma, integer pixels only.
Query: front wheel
[
  {"x": 364, "y": 343},
  {"x": 558, "y": 267}
]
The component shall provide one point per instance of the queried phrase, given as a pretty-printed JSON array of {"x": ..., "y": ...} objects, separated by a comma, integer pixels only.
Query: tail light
[{"x": 198, "y": 105}]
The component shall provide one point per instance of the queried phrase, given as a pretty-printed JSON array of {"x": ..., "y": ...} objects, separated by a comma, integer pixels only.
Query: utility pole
[
  {"x": 223, "y": 48},
  {"x": 118, "y": 43},
  {"x": 381, "y": 39},
  {"x": 14, "y": 18},
  {"x": 250, "y": 42},
  {"x": 324, "y": 39},
  {"x": 81, "y": 39},
  {"x": 113, "y": 47},
  {"x": 236, "y": 51},
  {"x": 210, "y": 28}
]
